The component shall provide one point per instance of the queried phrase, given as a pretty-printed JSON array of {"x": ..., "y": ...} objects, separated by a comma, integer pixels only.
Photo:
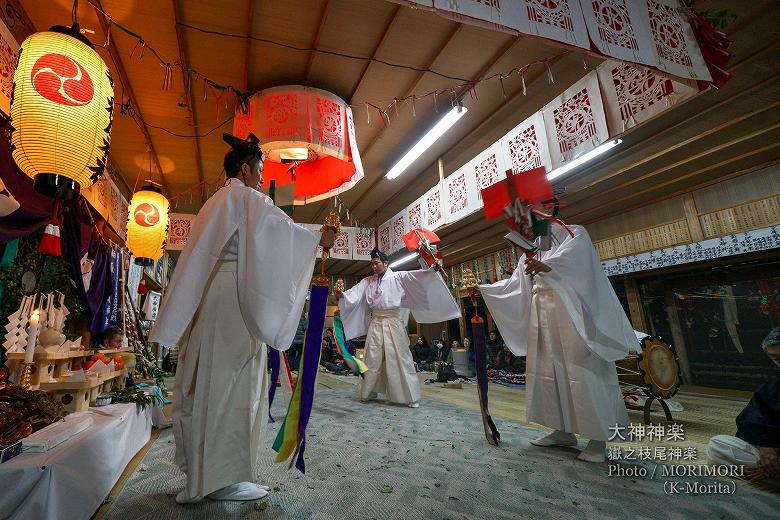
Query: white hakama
[
  {"x": 240, "y": 283},
  {"x": 572, "y": 328},
  {"x": 378, "y": 307},
  {"x": 218, "y": 432}
]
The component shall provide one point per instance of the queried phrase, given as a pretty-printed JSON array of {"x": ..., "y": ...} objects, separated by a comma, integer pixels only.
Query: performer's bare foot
[
  {"x": 594, "y": 452},
  {"x": 414, "y": 404},
  {"x": 184, "y": 498},
  {"x": 556, "y": 438},
  {"x": 241, "y": 492},
  {"x": 371, "y": 397}
]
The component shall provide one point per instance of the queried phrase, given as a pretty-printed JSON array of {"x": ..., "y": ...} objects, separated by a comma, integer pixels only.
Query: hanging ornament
[
  {"x": 305, "y": 132},
  {"x": 147, "y": 224},
  {"x": 142, "y": 289},
  {"x": 63, "y": 103}
]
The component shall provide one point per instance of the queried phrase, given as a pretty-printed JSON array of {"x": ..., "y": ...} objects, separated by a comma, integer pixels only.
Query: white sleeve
[{"x": 354, "y": 311}]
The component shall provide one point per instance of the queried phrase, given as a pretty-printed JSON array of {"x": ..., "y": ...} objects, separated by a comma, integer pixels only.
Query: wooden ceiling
[{"x": 374, "y": 51}]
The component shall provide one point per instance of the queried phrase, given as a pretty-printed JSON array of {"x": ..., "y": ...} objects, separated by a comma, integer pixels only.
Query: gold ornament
[
  {"x": 469, "y": 280},
  {"x": 332, "y": 222},
  {"x": 339, "y": 286},
  {"x": 26, "y": 375}
]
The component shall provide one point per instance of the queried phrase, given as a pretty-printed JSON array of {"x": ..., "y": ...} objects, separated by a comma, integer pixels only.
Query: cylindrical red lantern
[
  {"x": 308, "y": 136},
  {"x": 61, "y": 110}
]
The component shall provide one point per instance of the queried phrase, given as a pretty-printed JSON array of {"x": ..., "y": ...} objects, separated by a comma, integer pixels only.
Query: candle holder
[{"x": 25, "y": 374}]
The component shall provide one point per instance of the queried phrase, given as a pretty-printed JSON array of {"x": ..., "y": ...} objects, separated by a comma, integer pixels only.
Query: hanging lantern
[
  {"x": 61, "y": 109},
  {"x": 147, "y": 225},
  {"x": 308, "y": 137}
]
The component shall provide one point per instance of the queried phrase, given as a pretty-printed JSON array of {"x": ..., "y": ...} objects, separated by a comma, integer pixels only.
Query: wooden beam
[
  {"x": 692, "y": 217},
  {"x": 376, "y": 48},
  {"x": 635, "y": 308},
  {"x": 656, "y": 186},
  {"x": 117, "y": 59},
  {"x": 316, "y": 42},
  {"x": 187, "y": 86}
]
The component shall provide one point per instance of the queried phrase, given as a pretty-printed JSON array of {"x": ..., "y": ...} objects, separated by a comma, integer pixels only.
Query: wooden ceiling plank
[
  {"x": 689, "y": 158},
  {"x": 187, "y": 86},
  {"x": 117, "y": 59},
  {"x": 315, "y": 44},
  {"x": 694, "y": 173},
  {"x": 376, "y": 48}
]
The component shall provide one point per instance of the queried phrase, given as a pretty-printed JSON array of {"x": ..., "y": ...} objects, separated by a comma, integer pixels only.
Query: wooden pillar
[
  {"x": 677, "y": 337},
  {"x": 635, "y": 308},
  {"x": 692, "y": 217}
]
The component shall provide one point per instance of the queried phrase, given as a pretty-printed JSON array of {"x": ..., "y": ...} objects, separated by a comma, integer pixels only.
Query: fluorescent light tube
[
  {"x": 403, "y": 260},
  {"x": 427, "y": 140},
  {"x": 583, "y": 159}
]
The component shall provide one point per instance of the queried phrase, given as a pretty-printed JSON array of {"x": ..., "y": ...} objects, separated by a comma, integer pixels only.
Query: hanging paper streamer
[
  {"x": 291, "y": 439},
  {"x": 354, "y": 364}
]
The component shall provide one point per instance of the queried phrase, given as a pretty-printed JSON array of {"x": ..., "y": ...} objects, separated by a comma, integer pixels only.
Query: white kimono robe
[
  {"x": 378, "y": 307},
  {"x": 240, "y": 282},
  {"x": 572, "y": 328}
]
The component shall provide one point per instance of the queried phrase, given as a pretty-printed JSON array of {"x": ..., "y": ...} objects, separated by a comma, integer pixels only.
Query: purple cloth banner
[
  {"x": 111, "y": 312},
  {"x": 274, "y": 361},
  {"x": 478, "y": 333},
  {"x": 310, "y": 365}
]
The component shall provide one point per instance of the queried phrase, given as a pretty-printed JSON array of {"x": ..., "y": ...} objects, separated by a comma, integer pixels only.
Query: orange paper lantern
[
  {"x": 147, "y": 225},
  {"x": 308, "y": 137},
  {"x": 61, "y": 110}
]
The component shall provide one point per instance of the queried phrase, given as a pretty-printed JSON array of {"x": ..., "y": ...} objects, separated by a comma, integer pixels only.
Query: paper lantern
[
  {"x": 147, "y": 225},
  {"x": 308, "y": 136},
  {"x": 61, "y": 110}
]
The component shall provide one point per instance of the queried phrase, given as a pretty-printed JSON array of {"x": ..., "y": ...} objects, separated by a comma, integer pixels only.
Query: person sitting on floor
[
  {"x": 508, "y": 362},
  {"x": 421, "y": 350},
  {"x": 439, "y": 354},
  {"x": 756, "y": 445},
  {"x": 494, "y": 345}
]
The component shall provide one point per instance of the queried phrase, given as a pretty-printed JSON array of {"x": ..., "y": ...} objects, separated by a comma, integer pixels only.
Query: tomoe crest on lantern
[
  {"x": 147, "y": 224},
  {"x": 61, "y": 110}
]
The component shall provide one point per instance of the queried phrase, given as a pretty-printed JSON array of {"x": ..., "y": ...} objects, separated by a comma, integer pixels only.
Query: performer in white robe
[
  {"x": 241, "y": 282},
  {"x": 560, "y": 311},
  {"x": 378, "y": 308}
]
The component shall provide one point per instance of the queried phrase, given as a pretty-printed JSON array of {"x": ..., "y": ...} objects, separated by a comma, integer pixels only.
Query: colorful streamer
[
  {"x": 478, "y": 333},
  {"x": 354, "y": 364},
  {"x": 290, "y": 442}
]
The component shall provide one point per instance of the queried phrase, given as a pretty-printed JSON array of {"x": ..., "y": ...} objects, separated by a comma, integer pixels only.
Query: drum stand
[{"x": 662, "y": 402}]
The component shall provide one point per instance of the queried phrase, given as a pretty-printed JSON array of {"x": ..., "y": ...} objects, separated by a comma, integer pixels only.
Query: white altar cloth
[{"x": 72, "y": 480}]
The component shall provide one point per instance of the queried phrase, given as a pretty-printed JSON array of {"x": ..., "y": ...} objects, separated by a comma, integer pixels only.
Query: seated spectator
[
  {"x": 439, "y": 354},
  {"x": 508, "y": 362},
  {"x": 756, "y": 445},
  {"x": 494, "y": 345},
  {"x": 421, "y": 350},
  {"x": 112, "y": 338},
  {"x": 330, "y": 358}
]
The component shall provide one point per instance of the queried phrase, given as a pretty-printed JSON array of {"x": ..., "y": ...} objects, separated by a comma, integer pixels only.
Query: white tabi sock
[
  {"x": 241, "y": 492},
  {"x": 594, "y": 452},
  {"x": 556, "y": 438},
  {"x": 184, "y": 498}
]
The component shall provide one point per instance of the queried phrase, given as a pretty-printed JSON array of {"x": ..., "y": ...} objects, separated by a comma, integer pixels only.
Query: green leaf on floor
[
  {"x": 261, "y": 506},
  {"x": 387, "y": 489}
]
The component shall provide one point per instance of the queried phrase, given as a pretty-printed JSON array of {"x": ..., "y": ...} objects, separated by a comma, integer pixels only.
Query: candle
[{"x": 32, "y": 336}]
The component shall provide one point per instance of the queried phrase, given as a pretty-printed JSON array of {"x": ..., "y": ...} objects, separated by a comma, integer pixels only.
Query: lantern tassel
[{"x": 50, "y": 241}]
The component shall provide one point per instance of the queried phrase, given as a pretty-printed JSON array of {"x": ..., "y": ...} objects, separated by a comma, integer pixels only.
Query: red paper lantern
[{"x": 308, "y": 136}]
